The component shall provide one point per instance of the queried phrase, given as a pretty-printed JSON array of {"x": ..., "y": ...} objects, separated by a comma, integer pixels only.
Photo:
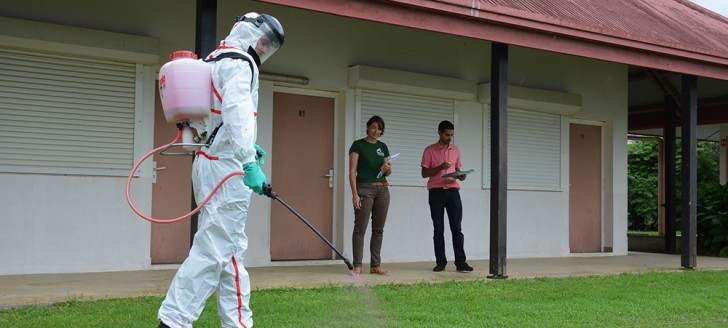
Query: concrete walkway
[{"x": 22, "y": 290}]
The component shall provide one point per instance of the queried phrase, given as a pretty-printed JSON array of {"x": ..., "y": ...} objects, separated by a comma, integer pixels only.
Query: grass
[
  {"x": 648, "y": 233},
  {"x": 643, "y": 233},
  {"x": 676, "y": 299}
]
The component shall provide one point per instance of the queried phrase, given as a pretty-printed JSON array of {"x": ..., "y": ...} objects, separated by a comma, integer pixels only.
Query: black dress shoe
[
  {"x": 439, "y": 268},
  {"x": 464, "y": 268},
  {"x": 162, "y": 325}
]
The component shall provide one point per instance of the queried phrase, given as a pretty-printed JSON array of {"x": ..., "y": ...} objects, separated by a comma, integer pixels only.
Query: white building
[{"x": 78, "y": 104}]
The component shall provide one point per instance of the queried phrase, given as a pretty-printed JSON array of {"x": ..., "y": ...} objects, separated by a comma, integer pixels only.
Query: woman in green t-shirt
[{"x": 370, "y": 194}]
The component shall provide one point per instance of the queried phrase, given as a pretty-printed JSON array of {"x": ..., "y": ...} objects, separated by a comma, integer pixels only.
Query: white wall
[
  {"x": 71, "y": 224},
  {"x": 57, "y": 223},
  {"x": 603, "y": 88},
  {"x": 66, "y": 223}
]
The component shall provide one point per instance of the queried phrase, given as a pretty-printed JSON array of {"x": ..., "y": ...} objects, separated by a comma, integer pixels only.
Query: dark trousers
[{"x": 447, "y": 199}]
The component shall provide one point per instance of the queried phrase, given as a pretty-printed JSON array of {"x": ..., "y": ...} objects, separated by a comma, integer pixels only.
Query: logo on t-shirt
[{"x": 380, "y": 152}]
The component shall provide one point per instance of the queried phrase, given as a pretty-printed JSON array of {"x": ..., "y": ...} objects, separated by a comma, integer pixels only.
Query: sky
[{"x": 718, "y": 6}]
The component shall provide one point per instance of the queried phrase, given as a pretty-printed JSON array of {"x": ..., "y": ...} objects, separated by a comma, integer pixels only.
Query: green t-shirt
[{"x": 371, "y": 158}]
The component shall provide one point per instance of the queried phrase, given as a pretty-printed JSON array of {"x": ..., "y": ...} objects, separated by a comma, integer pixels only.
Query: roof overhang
[{"x": 497, "y": 24}]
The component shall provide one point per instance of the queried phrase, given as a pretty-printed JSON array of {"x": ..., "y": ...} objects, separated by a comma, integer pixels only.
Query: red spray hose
[{"x": 151, "y": 219}]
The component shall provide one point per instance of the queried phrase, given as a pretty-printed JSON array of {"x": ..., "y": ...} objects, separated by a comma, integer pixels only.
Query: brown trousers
[{"x": 374, "y": 202}]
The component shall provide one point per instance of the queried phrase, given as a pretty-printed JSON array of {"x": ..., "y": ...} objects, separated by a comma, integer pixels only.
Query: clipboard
[
  {"x": 391, "y": 159},
  {"x": 457, "y": 174}
]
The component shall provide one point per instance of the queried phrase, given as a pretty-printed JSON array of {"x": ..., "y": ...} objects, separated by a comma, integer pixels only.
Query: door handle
[
  {"x": 330, "y": 175},
  {"x": 155, "y": 169}
]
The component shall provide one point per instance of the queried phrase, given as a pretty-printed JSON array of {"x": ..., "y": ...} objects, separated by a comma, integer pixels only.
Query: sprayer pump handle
[{"x": 268, "y": 191}]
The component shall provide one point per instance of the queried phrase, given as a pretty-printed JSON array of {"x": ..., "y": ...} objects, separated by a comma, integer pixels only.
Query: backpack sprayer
[{"x": 185, "y": 88}]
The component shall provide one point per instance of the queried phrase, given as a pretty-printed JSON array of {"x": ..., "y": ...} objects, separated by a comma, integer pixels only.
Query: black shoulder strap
[
  {"x": 212, "y": 135},
  {"x": 233, "y": 55}
]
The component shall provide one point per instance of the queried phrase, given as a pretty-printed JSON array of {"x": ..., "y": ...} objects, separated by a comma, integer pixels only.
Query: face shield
[{"x": 266, "y": 32}]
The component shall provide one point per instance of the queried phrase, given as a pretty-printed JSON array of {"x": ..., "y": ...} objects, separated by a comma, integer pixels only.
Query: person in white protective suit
[{"x": 215, "y": 262}]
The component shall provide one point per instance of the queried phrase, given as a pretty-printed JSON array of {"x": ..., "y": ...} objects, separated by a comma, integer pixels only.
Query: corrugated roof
[
  {"x": 670, "y": 35},
  {"x": 672, "y": 23}
]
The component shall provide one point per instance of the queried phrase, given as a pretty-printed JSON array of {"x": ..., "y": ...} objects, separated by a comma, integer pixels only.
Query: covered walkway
[{"x": 21, "y": 290}]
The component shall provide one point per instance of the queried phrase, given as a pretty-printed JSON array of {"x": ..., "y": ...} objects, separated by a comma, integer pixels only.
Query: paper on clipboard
[
  {"x": 457, "y": 174},
  {"x": 391, "y": 159}
]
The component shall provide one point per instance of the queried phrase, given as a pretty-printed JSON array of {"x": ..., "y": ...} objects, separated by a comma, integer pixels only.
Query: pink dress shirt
[{"x": 436, "y": 154}]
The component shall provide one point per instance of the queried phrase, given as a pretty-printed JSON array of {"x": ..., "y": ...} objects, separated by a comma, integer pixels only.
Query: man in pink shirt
[{"x": 439, "y": 159}]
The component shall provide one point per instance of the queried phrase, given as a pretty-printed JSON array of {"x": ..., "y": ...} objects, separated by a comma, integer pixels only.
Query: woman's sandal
[{"x": 379, "y": 271}]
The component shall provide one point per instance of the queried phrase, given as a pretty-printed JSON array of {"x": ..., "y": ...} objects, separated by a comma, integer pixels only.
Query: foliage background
[{"x": 712, "y": 197}]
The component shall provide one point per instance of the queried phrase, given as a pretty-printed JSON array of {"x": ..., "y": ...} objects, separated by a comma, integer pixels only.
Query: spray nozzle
[{"x": 348, "y": 264}]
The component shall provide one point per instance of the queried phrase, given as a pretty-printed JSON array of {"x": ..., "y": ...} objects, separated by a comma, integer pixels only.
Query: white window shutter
[
  {"x": 65, "y": 115},
  {"x": 534, "y": 150}
]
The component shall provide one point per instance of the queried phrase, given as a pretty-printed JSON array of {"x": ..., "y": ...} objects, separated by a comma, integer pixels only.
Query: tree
[
  {"x": 642, "y": 178},
  {"x": 642, "y": 185},
  {"x": 712, "y": 204}
]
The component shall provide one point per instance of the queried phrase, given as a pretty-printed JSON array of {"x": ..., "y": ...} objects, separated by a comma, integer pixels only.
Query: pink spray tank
[{"x": 185, "y": 87}]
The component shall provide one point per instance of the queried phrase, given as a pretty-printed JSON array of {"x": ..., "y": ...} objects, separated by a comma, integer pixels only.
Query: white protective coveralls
[{"x": 215, "y": 261}]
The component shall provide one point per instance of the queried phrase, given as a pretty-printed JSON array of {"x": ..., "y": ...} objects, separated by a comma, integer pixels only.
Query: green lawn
[
  {"x": 649, "y": 233},
  {"x": 677, "y": 299}
]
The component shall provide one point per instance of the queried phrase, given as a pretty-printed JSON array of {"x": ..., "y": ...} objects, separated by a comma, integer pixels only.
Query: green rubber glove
[
  {"x": 254, "y": 177},
  {"x": 259, "y": 153}
]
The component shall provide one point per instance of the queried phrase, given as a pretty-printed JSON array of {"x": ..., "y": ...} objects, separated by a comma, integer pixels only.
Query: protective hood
[{"x": 259, "y": 35}]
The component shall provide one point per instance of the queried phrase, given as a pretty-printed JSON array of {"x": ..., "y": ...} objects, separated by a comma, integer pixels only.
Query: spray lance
[{"x": 268, "y": 191}]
